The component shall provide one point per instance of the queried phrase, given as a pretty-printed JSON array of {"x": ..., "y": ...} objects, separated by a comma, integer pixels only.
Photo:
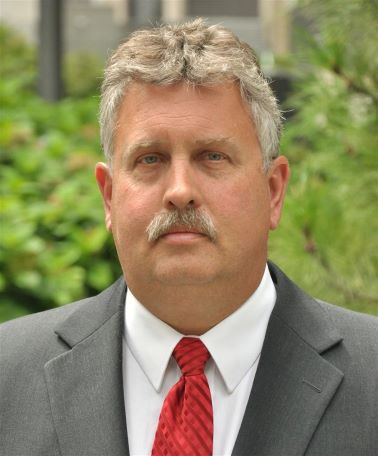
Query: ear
[
  {"x": 105, "y": 184},
  {"x": 278, "y": 176}
]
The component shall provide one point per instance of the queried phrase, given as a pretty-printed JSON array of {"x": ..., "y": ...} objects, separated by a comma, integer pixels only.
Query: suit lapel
[
  {"x": 294, "y": 384},
  {"x": 85, "y": 383}
]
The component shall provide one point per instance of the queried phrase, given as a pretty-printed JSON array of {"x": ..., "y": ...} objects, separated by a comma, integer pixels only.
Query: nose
[{"x": 181, "y": 189}]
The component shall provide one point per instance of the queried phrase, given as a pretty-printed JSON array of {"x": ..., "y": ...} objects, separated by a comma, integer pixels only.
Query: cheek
[
  {"x": 244, "y": 194},
  {"x": 131, "y": 210},
  {"x": 244, "y": 206}
]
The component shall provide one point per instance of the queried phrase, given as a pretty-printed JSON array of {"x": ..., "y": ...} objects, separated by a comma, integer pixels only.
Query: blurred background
[{"x": 320, "y": 56}]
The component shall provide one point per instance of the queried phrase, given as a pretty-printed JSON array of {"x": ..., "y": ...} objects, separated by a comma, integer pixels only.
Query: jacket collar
[
  {"x": 91, "y": 314},
  {"x": 294, "y": 383},
  {"x": 302, "y": 313},
  {"x": 85, "y": 383},
  {"x": 293, "y": 386}
]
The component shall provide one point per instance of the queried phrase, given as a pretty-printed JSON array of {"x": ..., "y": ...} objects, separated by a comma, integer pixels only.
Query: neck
[{"x": 193, "y": 310}]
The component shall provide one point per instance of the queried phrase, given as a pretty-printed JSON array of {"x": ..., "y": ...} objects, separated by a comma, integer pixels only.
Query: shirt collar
[
  {"x": 234, "y": 344},
  {"x": 151, "y": 341}
]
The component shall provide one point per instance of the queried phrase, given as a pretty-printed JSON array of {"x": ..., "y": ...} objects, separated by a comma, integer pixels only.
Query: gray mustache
[{"x": 192, "y": 218}]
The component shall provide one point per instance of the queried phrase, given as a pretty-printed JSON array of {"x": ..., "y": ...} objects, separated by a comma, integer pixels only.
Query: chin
[{"x": 180, "y": 276}]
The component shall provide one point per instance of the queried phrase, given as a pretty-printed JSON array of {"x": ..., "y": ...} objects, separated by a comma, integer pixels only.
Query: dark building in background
[{"x": 97, "y": 26}]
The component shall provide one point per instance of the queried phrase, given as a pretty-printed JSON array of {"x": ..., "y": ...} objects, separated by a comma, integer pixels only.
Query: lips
[
  {"x": 182, "y": 235},
  {"x": 178, "y": 230}
]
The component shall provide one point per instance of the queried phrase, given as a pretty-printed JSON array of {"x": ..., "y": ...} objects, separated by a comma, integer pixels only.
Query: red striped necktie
[{"x": 185, "y": 425}]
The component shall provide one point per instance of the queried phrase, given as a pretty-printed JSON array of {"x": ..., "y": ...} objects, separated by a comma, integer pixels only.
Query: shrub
[
  {"x": 54, "y": 247},
  {"x": 327, "y": 240}
]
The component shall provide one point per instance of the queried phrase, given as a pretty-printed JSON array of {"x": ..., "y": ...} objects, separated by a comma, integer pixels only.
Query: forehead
[
  {"x": 150, "y": 112},
  {"x": 142, "y": 97}
]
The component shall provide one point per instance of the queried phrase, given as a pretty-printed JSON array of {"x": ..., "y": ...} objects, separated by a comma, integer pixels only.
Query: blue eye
[
  {"x": 150, "y": 159},
  {"x": 215, "y": 156}
]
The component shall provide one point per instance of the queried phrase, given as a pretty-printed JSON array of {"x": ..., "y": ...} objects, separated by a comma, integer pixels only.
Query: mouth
[
  {"x": 179, "y": 235},
  {"x": 181, "y": 230}
]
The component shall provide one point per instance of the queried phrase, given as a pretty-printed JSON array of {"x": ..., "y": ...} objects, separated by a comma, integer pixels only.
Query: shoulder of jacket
[{"x": 359, "y": 327}]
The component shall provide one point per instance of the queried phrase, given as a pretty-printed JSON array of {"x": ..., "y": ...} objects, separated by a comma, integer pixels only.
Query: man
[{"x": 206, "y": 350}]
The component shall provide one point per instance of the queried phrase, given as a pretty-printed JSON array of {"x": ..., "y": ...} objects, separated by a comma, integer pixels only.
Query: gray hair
[{"x": 199, "y": 54}]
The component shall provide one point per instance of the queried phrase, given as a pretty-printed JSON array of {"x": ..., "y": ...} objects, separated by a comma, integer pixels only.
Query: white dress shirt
[{"x": 149, "y": 370}]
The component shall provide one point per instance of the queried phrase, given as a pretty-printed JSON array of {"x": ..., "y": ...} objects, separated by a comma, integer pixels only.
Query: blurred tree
[
  {"x": 82, "y": 74},
  {"x": 328, "y": 238},
  {"x": 50, "y": 49},
  {"x": 53, "y": 245}
]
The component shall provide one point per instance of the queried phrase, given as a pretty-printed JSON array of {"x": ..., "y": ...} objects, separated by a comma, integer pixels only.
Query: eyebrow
[
  {"x": 149, "y": 144},
  {"x": 144, "y": 144},
  {"x": 217, "y": 142},
  {"x": 139, "y": 146}
]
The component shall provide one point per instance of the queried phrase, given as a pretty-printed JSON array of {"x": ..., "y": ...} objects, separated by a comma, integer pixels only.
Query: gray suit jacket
[{"x": 315, "y": 391}]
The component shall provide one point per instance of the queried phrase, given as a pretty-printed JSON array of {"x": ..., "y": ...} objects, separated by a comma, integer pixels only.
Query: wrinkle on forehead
[
  {"x": 169, "y": 118},
  {"x": 148, "y": 144}
]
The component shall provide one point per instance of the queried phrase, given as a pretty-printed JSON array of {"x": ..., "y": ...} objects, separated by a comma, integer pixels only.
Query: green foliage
[
  {"x": 17, "y": 58},
  {"x": 54, "y": 247},
  {"x": 82, "y": 74},
  {"x": 327, "y": 240}
]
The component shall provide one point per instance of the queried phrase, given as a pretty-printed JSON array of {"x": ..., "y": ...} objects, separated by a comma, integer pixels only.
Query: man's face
[{"x": 180, "y": 147}]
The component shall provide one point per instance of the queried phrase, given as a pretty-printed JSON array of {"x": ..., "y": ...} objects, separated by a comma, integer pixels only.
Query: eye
[
  {"x": 213, "y": 156},
  {"x": 149, "y": 159}
]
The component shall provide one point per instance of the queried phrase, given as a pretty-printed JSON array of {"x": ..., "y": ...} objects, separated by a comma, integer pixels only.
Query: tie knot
[{"x": 191, "y": 355}]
